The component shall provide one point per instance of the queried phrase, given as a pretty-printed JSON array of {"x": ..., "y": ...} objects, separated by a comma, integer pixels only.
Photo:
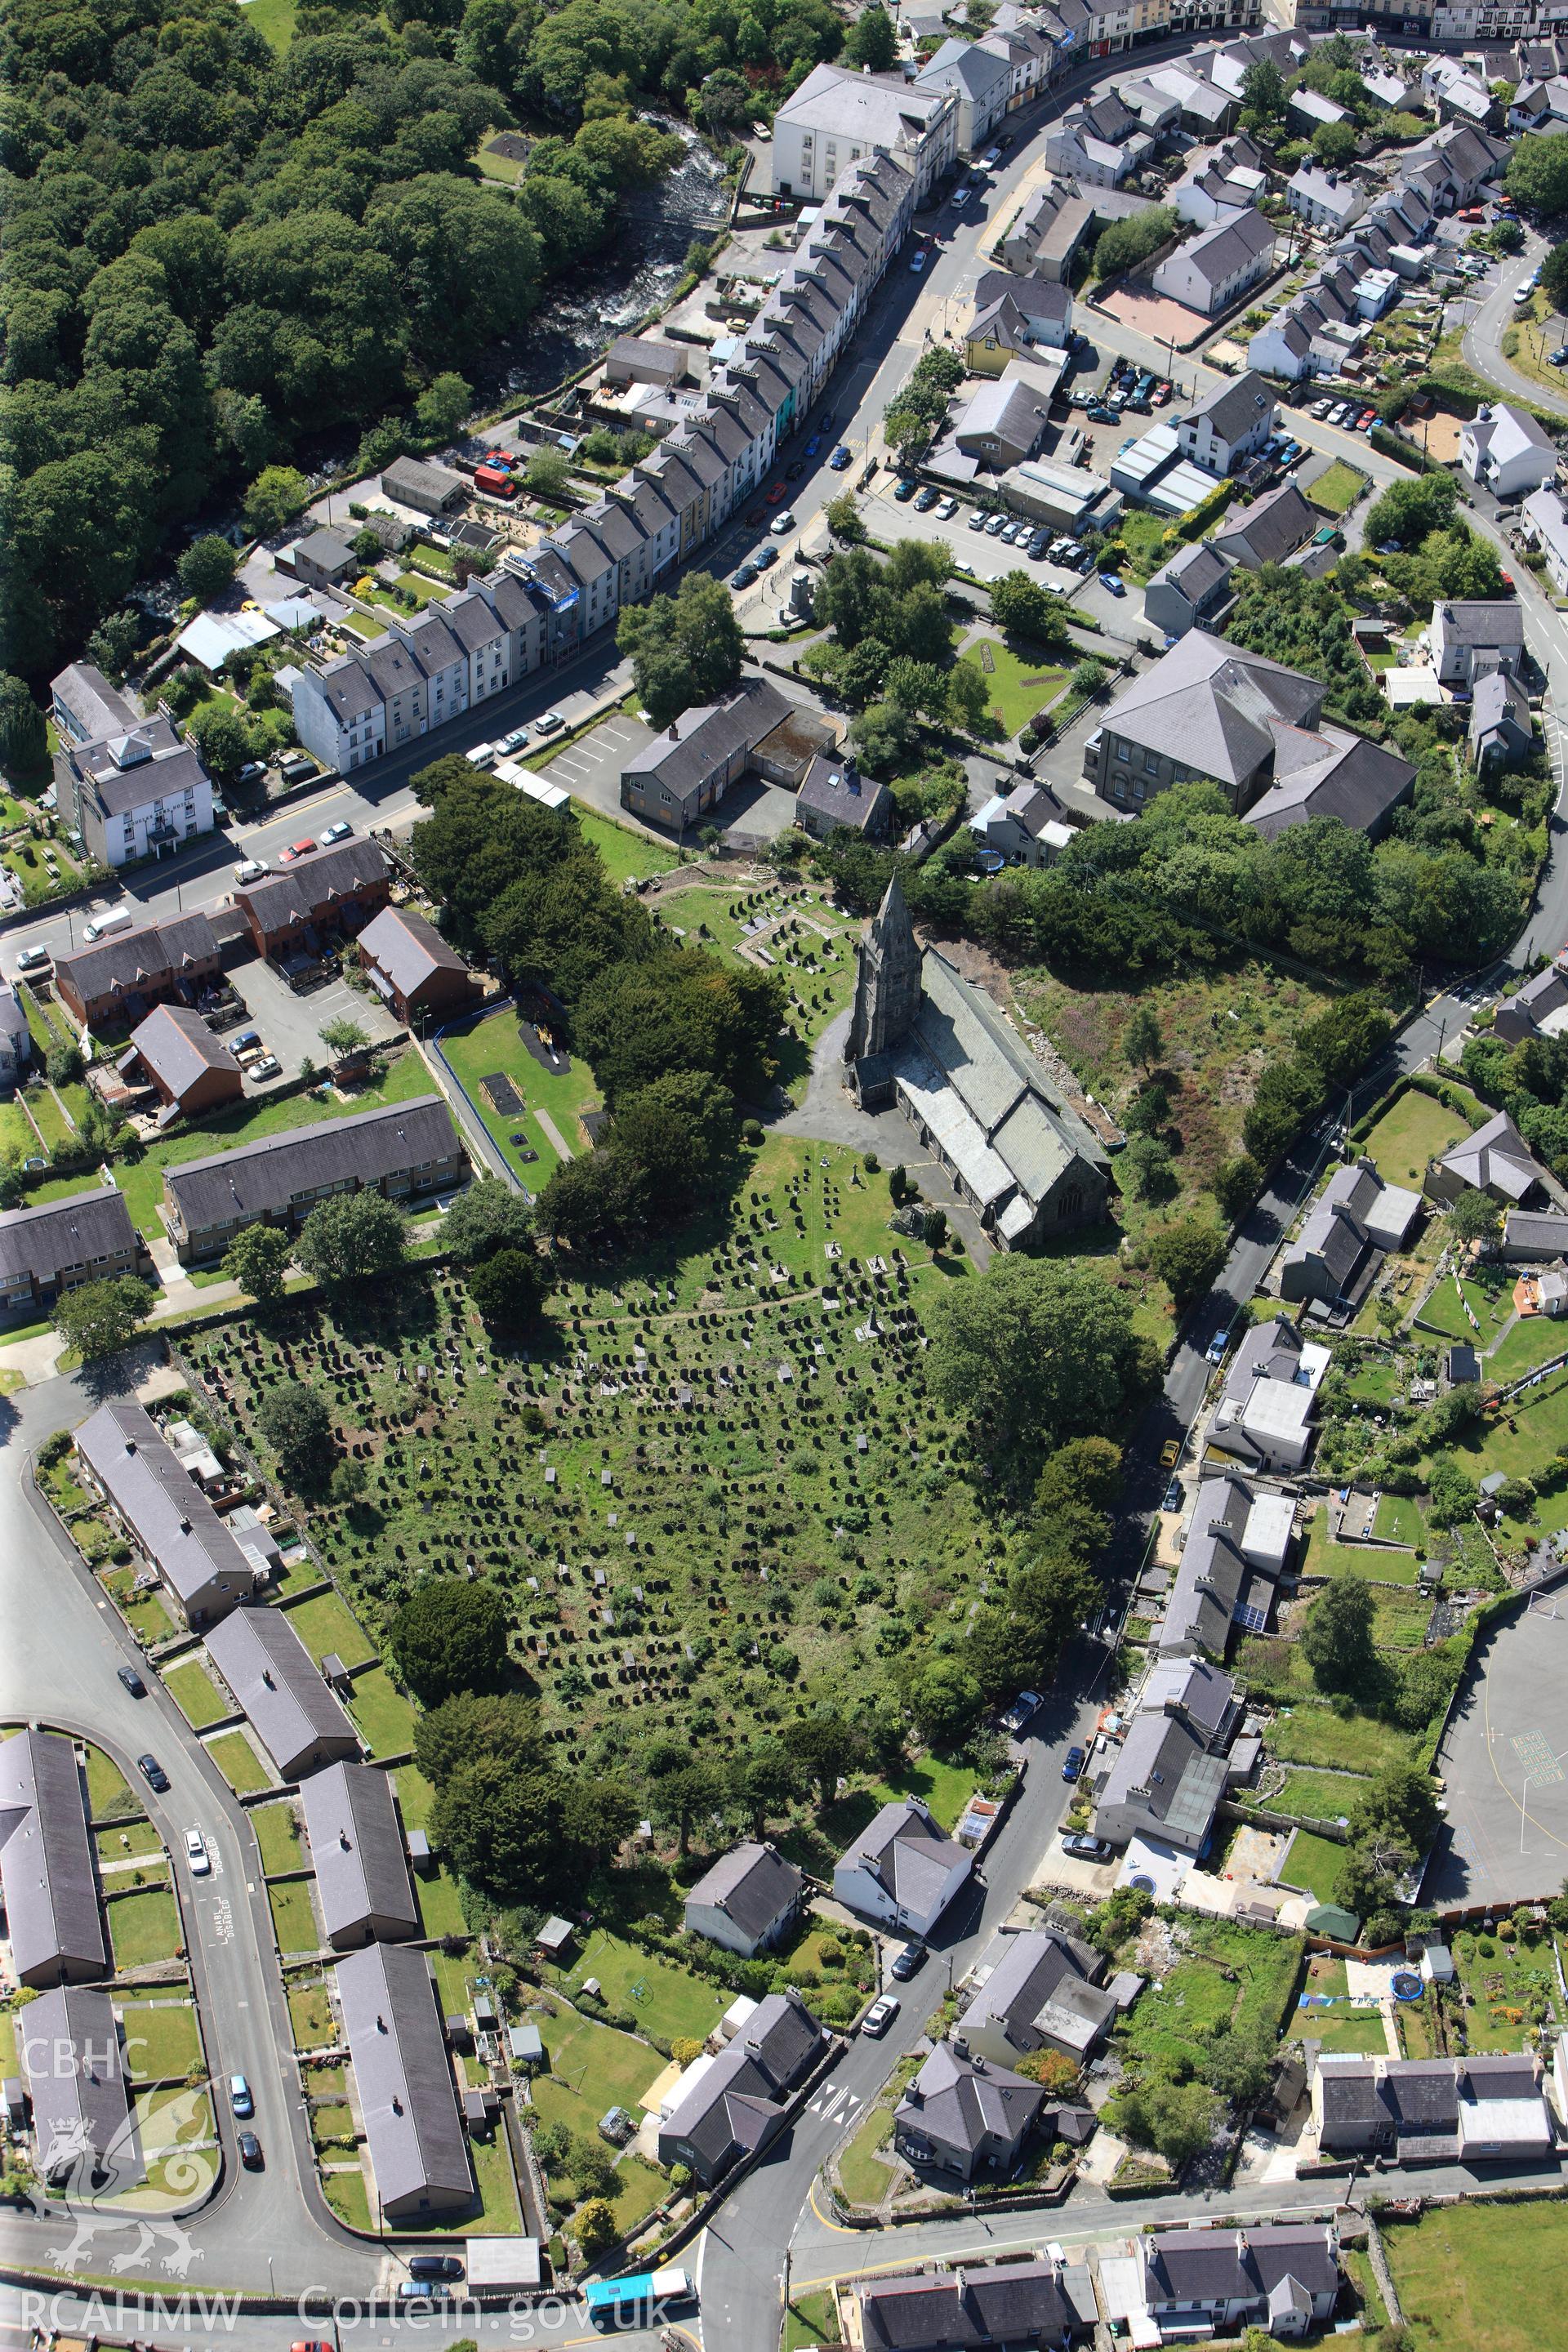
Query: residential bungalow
[
  {"x": 835, "y": 792},
  {"x": 47, "y": 1873},
  {"x": 688, "y": 769},
  {"x": 176, "y": 1053},
  {"x": 279, "y": 1686},
  {"x": 403, "y": 2082},
  {"x": 1265, "y": 1412},
  {"x": 1501, "y": 732},
  {"x": 1191, "y": 591},
  {"x": 428, "y": 489},
  {"x": 413, "y": 969},
  {"x": 991, "y": 2309},
  {"x": 121, "y": 979},
  {"x": 1282, "y": 2277},
  {"x": 121, "y": 1456},
  {"x": 1505, "y": 449},
  {"x": 83, "y": 2126},
  {"x": 1026, "y": 826},
  {"x": 966, "y": 2117},
  {"x": 1495, "y": 1159},
  {"x": 901, "y": 1872},
  {"x": 1214, "y": 269},
  {"x": 1538, "y": 1009},
  {"x": 1238, "y": 1543},
  {"x": 331, "y": 890},
  {"x": 44, "y": 1250},
  {"x": 1355, "y": 1220},
  {"x": 1432, "y": 2110},
  {"x": 356, "y": 1846},
  {"x": 739, "y": 2101},
  {"x": 405, "y": 1150},
  {"x": 1037, "y": 1990},
  {"x": 747, "y": 1902},
  {"x": 1267, "y": 531}
]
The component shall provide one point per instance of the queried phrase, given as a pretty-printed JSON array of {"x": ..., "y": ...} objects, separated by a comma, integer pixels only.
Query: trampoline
[{"x": 1406, "y": 1985}]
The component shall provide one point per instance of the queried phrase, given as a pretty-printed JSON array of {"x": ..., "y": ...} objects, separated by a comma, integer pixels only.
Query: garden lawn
[
  {"x": 161, "y": 2040},
  {"x": 1021, "y": 679},
  {"x": 1399, "y": 1521},
  {"x": 109, "y": 1793},
  {"x": 1486, "y": 2273},
  {"x": 1534, "y": 1339},
  {"x": 440, "y": 1905},
  {"x": 170, "y": 2118},
  {"x": 278, "y": 1835},
  {"x": 382, "y": 1715},
  {"x": 493, "y": 1046},
  {"x": 1195, "y": 1995},
  {"x": 1528, "y": 1449},
  {"x": 294, "y": 1918},
  {"x": 669, "y": 2001},
  {"x": 1339, "y": 1743},
  {"x": 349, "y": 2198},
  {"x": 1335, "y": 492},
  {"x": 1441, "y": 1311},
  {"x": 326, "y": 1624},
  {"x": 1401, "y": 1621},
  {"x": 1316, "y": 1796},
  {"x": 123, "y": 1845},
  {"x": 945, "y": 1788},
  {"x": 143, "y": 1927},
  {"x": 238, "y": 1762},
  {"x": 1143, "y": 536},
  {"x": 626, "y": 855},
  {"x": 865, "y": 2177},
  {"x": 311, "y": 2014},
  {"x": 1347, "y": 2032},
  {"x": 1414, "y": 1130},
  {"x": 1328, "y": 1558},
  {"x": 16, "y": 1137},
  {"x": 638, "y": 2190},
  {"x": 810, "y": 2319},
  {"x": 146, "y": 1613},
  {"x": 1313, "y": 1863},
  {"x": 415, "y": 1797},
  {"x": 595, "y": 2066},
  {"x": 8, "y": 2058},
  {"x": 195, "y": 1694}
]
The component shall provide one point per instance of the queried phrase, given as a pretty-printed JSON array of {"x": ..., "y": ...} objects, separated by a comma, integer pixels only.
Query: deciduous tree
[
  {"x": 257, "y": 1259},
  {"x": 450, "y": 1636},
  {"x": 99, "y": 1318},
  {"x": 356, "y": 1237}
]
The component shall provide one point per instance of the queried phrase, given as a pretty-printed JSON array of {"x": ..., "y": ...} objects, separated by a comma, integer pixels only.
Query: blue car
[
  {"x": 761, "y": 559},
  {"x": 1111, "y": 585},
  {"x": 814, "y": 445},
  {"x": 1072, "y": 1768},
  {"x": 841, "y": 457},
  {"x": 743, "y": 576}
]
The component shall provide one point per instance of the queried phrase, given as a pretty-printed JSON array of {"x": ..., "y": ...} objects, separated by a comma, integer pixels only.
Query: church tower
[{"x": 887, "y": 981}]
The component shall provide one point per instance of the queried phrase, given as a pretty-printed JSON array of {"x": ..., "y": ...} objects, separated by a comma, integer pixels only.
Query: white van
[{"x": 113, "y": 919}]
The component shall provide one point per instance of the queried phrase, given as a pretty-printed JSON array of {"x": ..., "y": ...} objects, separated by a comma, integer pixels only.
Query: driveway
[{"x": 1503, "y": 1766}]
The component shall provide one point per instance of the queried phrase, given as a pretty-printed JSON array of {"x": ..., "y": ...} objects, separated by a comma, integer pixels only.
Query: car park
[
  {"x": 298, "y": 849},
  {"x": 907, "y": 1961},
  {"x": 904, "y": 491},
  {"x": 1024, "y": 1709},
  {"x": 239, "y": 2096},
  {"x": 1100, "y": 414},
  {"x": 152, "y": 1772},
  {"x": 1160, "y": 395},
  {"x": 1073, "y": 1764},
  {"x": 1008, "y": 534},
  {"x": 344, "y": 829},
  {"x": 549, "y": 724},
  {"x": 250, "y": 2154},
  {"x": 978, "y": 519},
  {"x": 196, "y": 1854},
  {"x": 132, "y": 1681},
  {"x": 1084, "y": 1848},
  {"x": 1558, "y": 358},
  {"x": 1320, "y": 409},
  {"x": 744, "y": 575},
  {"x": 246, "y": 1041},
  {"x": 995, "y": 525},
  {"x": 880, "y": 2015}
]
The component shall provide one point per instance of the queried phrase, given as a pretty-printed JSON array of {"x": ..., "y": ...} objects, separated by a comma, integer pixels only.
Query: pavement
[{"x": 1506, "y": 1837}]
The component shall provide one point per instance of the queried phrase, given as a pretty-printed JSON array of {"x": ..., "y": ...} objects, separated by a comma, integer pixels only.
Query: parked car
[
  {"x": 1024, "y": 1709},
  {"x": 794, "y": 472},
  {"x": 515, "y": 740},
  {"x": 1170, "y": 1452},
  {"x": 239, "y": 2096},
  {"x": 1084, "y": 1848},
  {"x": 550, "y": 724},
  {"x": 880, "y": 2015},
  {"x": 1173, "y": 1496},
  {"x": 995, "y": 525},
  {"x": 247, "y": 1041},
  {"x": 132, "y": 1681},
  {"x": 755, "y": 515},
  {"x": 775, "y": 494},
  {"x": 419, "y": 2291},
  {"x": 1111, "y": 585},
  {"x": 1100, "y": 414},
  {"x": 947, "y": 509},
  {"x": 103, "y": 927},
  {"x": 435, "y": 2266},
  {"x": 978, "y": 519},
  {"x": 906, "y": 1962},
  {"x": 152, "y": 1772},
  {"x": 1215, "y": 1352},
  {"x": 904, "y": 491},
  {"x": 926, "y": 499},
  {"x": 784, "y": 521},
  {"x": 249, "y": 869},
  {"x": 1073, "y": 1764},
  {"x": 33, "y": 959},
  {"x": 764, "y": 557},
  {"x": 250, "y": 2154},
  {"x": 298, "y": 849},
  {"x": 342, "y": 829},
  {"x": 814, "y": 445},
  {"x": 840, "y": 459},
  {"x": 743, "y": 576},
  {"x": 196, "y": 1854},
  {"x": 917, "y": 260},
  {"x": 268, "y": 1067}
]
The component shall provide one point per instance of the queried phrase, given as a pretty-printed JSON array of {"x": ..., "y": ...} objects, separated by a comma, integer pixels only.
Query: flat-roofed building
[
  {"x": 403, "y": 1150},
  {"x": 124, "y": 1457},
  {"x": 52, "y": 1246},
  {"x": 356, "y": 1844},
  {"x": 282, "y": 1691},
  {"x": 403, "y": 2081},
  {"x": 83, "y": 2127},
  {"x": 48, "y": 1873}
]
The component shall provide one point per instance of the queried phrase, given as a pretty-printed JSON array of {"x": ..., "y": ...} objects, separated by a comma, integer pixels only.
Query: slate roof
[
  {"x": 264, "y": 1177},
  {"x": 1272, "y": 528},
  {"x": 166, "y": 776},
  {"x": 902, "y": 1848},
  {"x": 87, "y": 695},
  {"x": 1225, "y": 2265},
  {"x": 407, "y": 474},
  {"x": 132, "y": 960},
  {"x": 684, "y": 755},
  {"x": 1195, "y": 570},
  {"x": 356, "y": 1846},
  {"x": 1495, "y": 1156},
  {"x": 1164, "y": 1770},
  {"x": 170, "y": 1517},
  {"x": 329, "y": 549},
  {"x": 967, "y": 2310},
  {"x": 56, "y": 1236},
  {"x": 835, "y": 788},
  {"x": 1211, "y": 706},
  {"x": 1043, "y": 1985},
  {"x": 752, "y": 1885},
  {"x": 736, "y": 2103},
  {"x": 1234, "y": 407},
  {"x": 1217, "y": 253},
  {"x": 311, "y": 888},
  {"x": 1326, "y": 770},
  {"x": 1036, "y": 298},
  {"x": 961, "y": 2102},
  {"x": 177, "y": 1047},
  {"x": 47, "y": 1866},
  {"x": 278, "y": 1682},
  {"x": 1485, "y": 622},
  {"x": 69, "y": 2048},
  {"x": 1539, "y": 1231},
  {"x": 408, "y": 948},
  {"x": 402, "y": 2076}
]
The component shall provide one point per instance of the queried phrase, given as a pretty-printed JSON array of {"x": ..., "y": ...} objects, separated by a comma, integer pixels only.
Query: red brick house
[
  {"x": 179, "y": 1056},
  {"x": 412, "y": 969},
  {"x": 331, "y": 891}
]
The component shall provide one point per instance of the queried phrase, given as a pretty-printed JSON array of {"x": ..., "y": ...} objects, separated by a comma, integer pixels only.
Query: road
[{"x": 1483, "y": 334}]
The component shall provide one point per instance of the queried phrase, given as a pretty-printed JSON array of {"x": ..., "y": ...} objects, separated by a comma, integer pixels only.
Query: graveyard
[{"x": 790, "y": 927}]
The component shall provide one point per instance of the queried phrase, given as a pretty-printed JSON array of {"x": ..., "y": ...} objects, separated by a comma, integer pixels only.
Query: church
[{"x": 924, "y": 1040}]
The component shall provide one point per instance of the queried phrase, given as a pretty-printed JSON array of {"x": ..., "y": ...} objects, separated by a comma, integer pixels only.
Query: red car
[
  {"x": 295, "y": 849},
  {"x": 776, "y": 494}
]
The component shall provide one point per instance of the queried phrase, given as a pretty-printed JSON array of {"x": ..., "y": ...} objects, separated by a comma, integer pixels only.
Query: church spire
[{"x": 888, "y": 979}]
